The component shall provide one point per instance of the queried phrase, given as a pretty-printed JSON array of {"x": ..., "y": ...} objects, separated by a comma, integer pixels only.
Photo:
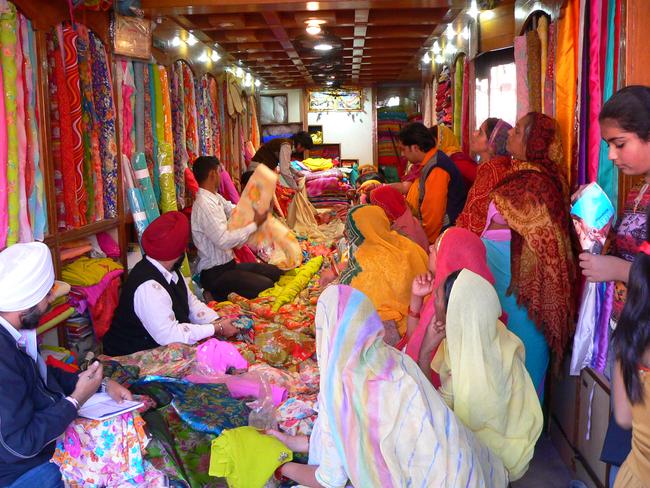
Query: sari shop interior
[{"x": 376, "y": 166}]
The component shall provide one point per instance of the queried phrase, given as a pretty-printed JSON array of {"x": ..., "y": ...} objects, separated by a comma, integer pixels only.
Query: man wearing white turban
[{"x": 37, "y": 402}]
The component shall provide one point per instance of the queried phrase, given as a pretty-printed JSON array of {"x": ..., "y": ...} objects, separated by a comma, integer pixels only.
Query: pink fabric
[
  {"x": 595, "y": 91},
  {"x": 242, "y": 387},
  {"x": 25, "y": 229},
  {"x": 108, "y": 245},
  {"x": 218, "y": 356},
  {"x": 227, "y": 188},
  {"x": 409, "y": 226},
  {"x": 92, "y": 293},
  {"x": 498, "y": 235},
  {"x": 321, "y": 185},
  {"x": 458, "y": 249},
  {"x": 4, "y": 210},
  {"x": 128, "y": 89}
]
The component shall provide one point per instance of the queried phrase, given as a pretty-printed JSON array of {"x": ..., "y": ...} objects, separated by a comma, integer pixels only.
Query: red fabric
[
  {"x": 56, "y": 311},
  {"x": 244, "y": 255},
  {"x": 190, "y": 182},
  {"x": 166, "y": 237},
  {"x": 390, "y": 199},
  {"x": 284, "y": 195},
  {"x": 102, "y": 312},
  {"x": 57, "y": 363},
  {"x": 466, "y": 166}
]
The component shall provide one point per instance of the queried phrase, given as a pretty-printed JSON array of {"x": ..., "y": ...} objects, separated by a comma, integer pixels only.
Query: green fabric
[
  {"x": 458, "y": 95},
  {"x": 390, "y": 173},
  {"x": 293, "y": 282},
  {"x": 247, "y": 458}
]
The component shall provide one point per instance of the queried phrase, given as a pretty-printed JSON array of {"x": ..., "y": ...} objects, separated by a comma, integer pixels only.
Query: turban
[
  {"x": 166, "y": 237},
  {"x": 26, "y": 276}
]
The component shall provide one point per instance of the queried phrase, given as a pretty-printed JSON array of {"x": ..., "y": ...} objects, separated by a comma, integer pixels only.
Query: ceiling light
[
  {"x": 313, "y": 29},
  {"x": 323, "y": 47},
  {"x": 439, "y": 59},
  {"x": 436, "y": 48},
  {"x": 473, "y": 10},
  {"x": 332, "y": 77},
  {"x": 203, "y": 58},
  {"x": 214, "y": 56},
  {"x": 311, "y": 6},
  {"x": 487, "y": 15},
  {"x": 426, "y": 59},
  {"x": 248, "y": 80},
  {"x": 329, "y": 83},
  {"x": 191, "y": 40},
  {"x": 177, "y": 41},
  {"x": 465, "y": 33},
  {"x": 450, "y": 49},
  {"x": 258, "y": 83},
  {"x": 239, "y": 72},
  {"x": 450, "y": 33}
]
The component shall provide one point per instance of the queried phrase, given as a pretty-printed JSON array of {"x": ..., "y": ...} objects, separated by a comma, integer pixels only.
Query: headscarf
[
  {"x": 457, "y": 249},
  {"x": 402, "y": 220},
  {"x": 447, "y": 140},
  {"x": 499, "y": 137},
  {"x": 482, "y": 363},
  {"x": 534, "y": 201},
  {"x": 383, "y": 418},
  {"x": 26, "y": 276},
  {"x": 382, "y": 263}
]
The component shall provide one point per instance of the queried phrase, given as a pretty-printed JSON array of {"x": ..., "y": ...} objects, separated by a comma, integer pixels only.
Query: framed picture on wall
[
  {"x": 339, "y": 100},
  {"x": 274, "y": 109}
]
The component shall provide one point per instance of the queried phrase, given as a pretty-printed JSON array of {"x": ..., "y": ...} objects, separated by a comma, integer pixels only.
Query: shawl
[
  {"x": 447, "y": 140},
  {"x": 383, "y": 263},
  {"x": 482, "y": 363},
  {"x": 499, "y": 138},
  {"x": 534, "y": 201},
  {"x": 488, "y": 176},
  {"x": 379, "y": 413},
  {"x": 456, "y": 249}
]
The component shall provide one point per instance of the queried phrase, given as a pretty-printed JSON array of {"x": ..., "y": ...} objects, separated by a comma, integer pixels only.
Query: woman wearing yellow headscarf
[
  {"x": 481, "y": 363},
  {"x": 448, "y": 144},
  {"x": 382, "y": 263}
]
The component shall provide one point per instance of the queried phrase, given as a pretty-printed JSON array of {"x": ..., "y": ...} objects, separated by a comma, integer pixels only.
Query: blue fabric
[
  {"x": 46, "y": 475},
  {"x": 537, "y": 352}
]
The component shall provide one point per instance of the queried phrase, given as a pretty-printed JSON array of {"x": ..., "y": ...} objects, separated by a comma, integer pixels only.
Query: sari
[
  {"x": 382, "y": 263},
  {"x": 380, "y": 421},
  {"x": 536, "y": 271},
  {"x": 402, "y": 220},
  {"x": 457, "y": 249},
  {"x": 480, "y": 362}
]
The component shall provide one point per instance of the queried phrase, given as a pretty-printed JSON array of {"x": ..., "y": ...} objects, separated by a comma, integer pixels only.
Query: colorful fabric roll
[
  {"x": 154, "y": 89},
  {"x": 143, "y": 180},
  {"x": 55, "y": 132},
  {"x": 24, "y": 174},
  {"x": 4, "y": 194},
  {"x": 534, "y": 53},
  {"x": 138, "y": 74},
  {"x": 167, "y": 187},
  {"x": 542, "y": 32},
  {"x": 178, "y": 125},
  {"x": 191, "y": 134},
  {"x": 148, "y": 125},
  {"x": 521, "y": 67},
  {"x": 128, "y": 90},
  {"x": 137, "y": 210},
  {"x": 458, "y": 95}
]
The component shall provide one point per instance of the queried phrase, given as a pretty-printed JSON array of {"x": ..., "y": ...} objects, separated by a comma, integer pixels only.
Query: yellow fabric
[
  {"x": 246, "y": 458},
  {"x": 318, "y": 164},
  {"x": 88, "y": 271},
  {"x": 542, "y": 32},
  {"x": 484, "y": 379},
  {"x": 384, "y": 263},
  {"x": 301, "y": 215},
  {"x": 292, "y": 283},
  {"x": 447, "y": 140}
]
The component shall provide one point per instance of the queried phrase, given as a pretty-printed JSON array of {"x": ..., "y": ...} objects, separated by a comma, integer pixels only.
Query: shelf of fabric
[
  {"x": 59, "y": 319},
  {"x": 88, "y": 230}
]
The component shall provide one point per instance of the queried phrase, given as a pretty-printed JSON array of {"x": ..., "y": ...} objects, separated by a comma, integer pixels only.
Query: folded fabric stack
[
  {"x": 59, "y": 308},
  {"x": 390, "y": 121},
  {"x": 326, "y": 184},
  {"x": 444, "y": 108}
]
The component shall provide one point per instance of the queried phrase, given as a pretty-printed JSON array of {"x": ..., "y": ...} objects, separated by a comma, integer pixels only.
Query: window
[{"x": 496, "y": 87}]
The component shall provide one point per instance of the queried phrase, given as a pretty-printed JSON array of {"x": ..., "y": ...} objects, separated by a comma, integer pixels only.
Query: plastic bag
[{"x": 263, "y": 410}]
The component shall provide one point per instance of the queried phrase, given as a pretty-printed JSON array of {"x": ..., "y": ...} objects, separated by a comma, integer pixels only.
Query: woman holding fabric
[
  {"x": 625, "y": 126},
  {"x": 480, "y": 362},
  {"x": 495, "y": 163},
  {"x": 380, "y": 421},
  {"x": 529, "y": 248},
  {"x": 382, "y": 265}
]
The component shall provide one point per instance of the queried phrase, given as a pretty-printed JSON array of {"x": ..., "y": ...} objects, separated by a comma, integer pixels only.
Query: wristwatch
[{"x": 104, "y": 385}]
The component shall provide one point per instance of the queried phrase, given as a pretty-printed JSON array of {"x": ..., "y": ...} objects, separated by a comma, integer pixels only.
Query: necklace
[{"x": 639, "y": 197}]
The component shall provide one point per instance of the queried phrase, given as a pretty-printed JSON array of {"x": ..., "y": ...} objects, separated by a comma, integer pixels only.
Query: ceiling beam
[{"x": 360, "y": 28}]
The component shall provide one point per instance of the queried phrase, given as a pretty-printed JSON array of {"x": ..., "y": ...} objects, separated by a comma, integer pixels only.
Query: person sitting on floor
[
  {"x": 220, "y": 275},
  {"x": 37, "y": 402},
  {"x": 156, "y": 306}
]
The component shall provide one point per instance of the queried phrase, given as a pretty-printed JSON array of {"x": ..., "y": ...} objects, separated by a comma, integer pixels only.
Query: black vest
[
  {"x": 127, "y": 334},
  {"x": 269, "y": 153},
  {"x": 456, "y": 192}
]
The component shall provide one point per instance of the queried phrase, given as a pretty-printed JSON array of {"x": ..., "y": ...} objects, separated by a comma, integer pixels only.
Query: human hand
[
  {"x": 260, "y": 217},
  {"x": 88, "y": 383},
  {"x": 224, "y": 328},
  {"x": 597, "y": 268},
  {"x": 422, "y": 285},
  {"x": 297, "y": 443},
  {"x": 117, "y": 392},
  {"x": 326, "y": 277},
  {"x": 576, "y": 194}
]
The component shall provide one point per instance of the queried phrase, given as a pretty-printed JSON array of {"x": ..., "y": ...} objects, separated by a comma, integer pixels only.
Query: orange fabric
[
  {"x": 434, "y": 205},
  {"x": 415, "y": 169},
  {"x": 565, "y": 87}
]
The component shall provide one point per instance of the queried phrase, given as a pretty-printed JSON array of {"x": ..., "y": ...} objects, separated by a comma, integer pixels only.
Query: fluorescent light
[
  {"x": 214, "y": 56},
  {"x": 450, "y": 49},
  {"x": 177, "y": 41},
  {"x": 473, "y": 10},
  {"x": 191, "y": 40},
  {"x": 248, "y": 80},
  {"x": 487, "y": 15},
  {"x": 239, "y": 72},
  {"x": 329, "y": 83},
  {"x": 258, "y": 83},
  {"x": 465, "y": 33},
  {"x": 436, "y": 48},
  {"x": 323, "y": 47},
  {"x": 426, "y": 59},
  {"x": 450, "y": 32},
  {"x": 313, "y": 29},
  {"x": 439, "y": 59},
  {"x": 311, "y": 6},
  {"x": 203, "y": 58}
]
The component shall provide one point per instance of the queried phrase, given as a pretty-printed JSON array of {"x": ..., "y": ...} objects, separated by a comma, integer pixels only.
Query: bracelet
[
  {"x": 415, "y": 315},
  {"x": 104, "y": 385},
  {"x": 74, "y": 401}
]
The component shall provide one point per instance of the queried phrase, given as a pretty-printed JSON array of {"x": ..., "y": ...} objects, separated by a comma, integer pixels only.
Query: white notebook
[{"x": 101, "y": 406}]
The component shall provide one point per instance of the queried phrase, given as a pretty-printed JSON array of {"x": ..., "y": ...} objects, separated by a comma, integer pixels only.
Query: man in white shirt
[
  {"x": 220, "y": 275},
  {"x": 156, "y": 306}
]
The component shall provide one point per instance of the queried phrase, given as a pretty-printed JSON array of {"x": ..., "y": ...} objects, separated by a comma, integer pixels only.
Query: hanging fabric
[
  {"x": 521, "y": 66},
  {"x": 178, "y": 123},
  {"x": 148, "y": 127},
  {"x": 458, "y": 95},
  {"x": 549, "y": 74},
  {"x": 595, "y": 92},
  {"x": 534, "y": 75},
  {"x": 465, "y": 121},
  {"x": 542, "y": 32}
]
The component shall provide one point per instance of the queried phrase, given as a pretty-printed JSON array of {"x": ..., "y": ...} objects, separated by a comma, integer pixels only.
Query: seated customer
[
  {"x": 220, "y": 275},
  {"x": 156, "y": 306},
  {"x": 37, "y": 402}
]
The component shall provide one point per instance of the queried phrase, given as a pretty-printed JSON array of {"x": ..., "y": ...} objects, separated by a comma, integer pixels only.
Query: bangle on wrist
[
  {"x": 415, "y": 315},
  {"x": 74, "y": 401}
]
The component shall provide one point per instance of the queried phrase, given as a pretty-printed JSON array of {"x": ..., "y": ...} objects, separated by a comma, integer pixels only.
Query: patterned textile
[
  {"x": 24, "y": 174},
  {"x": 106, "y": 453},
  {"x": 458, "y": 96},
  {"x": 534, "y": 52},
  {"x": 104, "y": 108},
  {"x": 191, "y": 135},
  {"x": 148, "y": 128},
  {"x": 296, "y": 416},
  {"x": 4, "y": 216},
  {"x": 214, "y": 116},
  {"x": 382, "y": 263},
  {"x": 533, "y": 199},
  {"x": 373, "y": 397},
  {"x": 125, "y": 75},
  {"x": 178, "y": 123},
  {"x": 488, "y": 175},
  {"x": 521, "y": 66},
  {"x": 174, "y": 360}
]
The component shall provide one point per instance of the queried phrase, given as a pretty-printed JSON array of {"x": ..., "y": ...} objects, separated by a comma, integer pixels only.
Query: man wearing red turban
[{"x": 156, "y": 306}]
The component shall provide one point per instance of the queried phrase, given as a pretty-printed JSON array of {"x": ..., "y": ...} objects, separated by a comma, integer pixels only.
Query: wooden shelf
[{"x": 88, "y": 230}]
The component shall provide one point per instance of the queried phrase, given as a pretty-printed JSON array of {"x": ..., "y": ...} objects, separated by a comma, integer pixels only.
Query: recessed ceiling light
[
  {"x": 473, "y": 10},
  {"x": 258, "y": 83},
  {"x": 214, "y": 56},
  {"x": 426, "y": 59},
  {"x": 311, "y": 6},
  {"x": 332, "y": 77},
  {"x": 329, "y": 83},
  {"x": 191, "y": 40},
  {"x": 450, "y": 33},
  {"x": 439, "y": 59},
  {"x": 203, "y": 58},
  {"x": 436, "y": 48},
  {"x": 323, "y": 47},
  {"x": 177, "y": 41},
  {"x": 313, "y": 29}
]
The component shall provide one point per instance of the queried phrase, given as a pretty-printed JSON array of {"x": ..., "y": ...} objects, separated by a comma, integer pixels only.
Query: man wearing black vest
[
  {"x": 278, "y": 152},
  {"x": 156, "y": 306}
]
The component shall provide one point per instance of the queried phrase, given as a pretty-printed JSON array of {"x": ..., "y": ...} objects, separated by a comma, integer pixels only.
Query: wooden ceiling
[{"x": 373, "y": 41}]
